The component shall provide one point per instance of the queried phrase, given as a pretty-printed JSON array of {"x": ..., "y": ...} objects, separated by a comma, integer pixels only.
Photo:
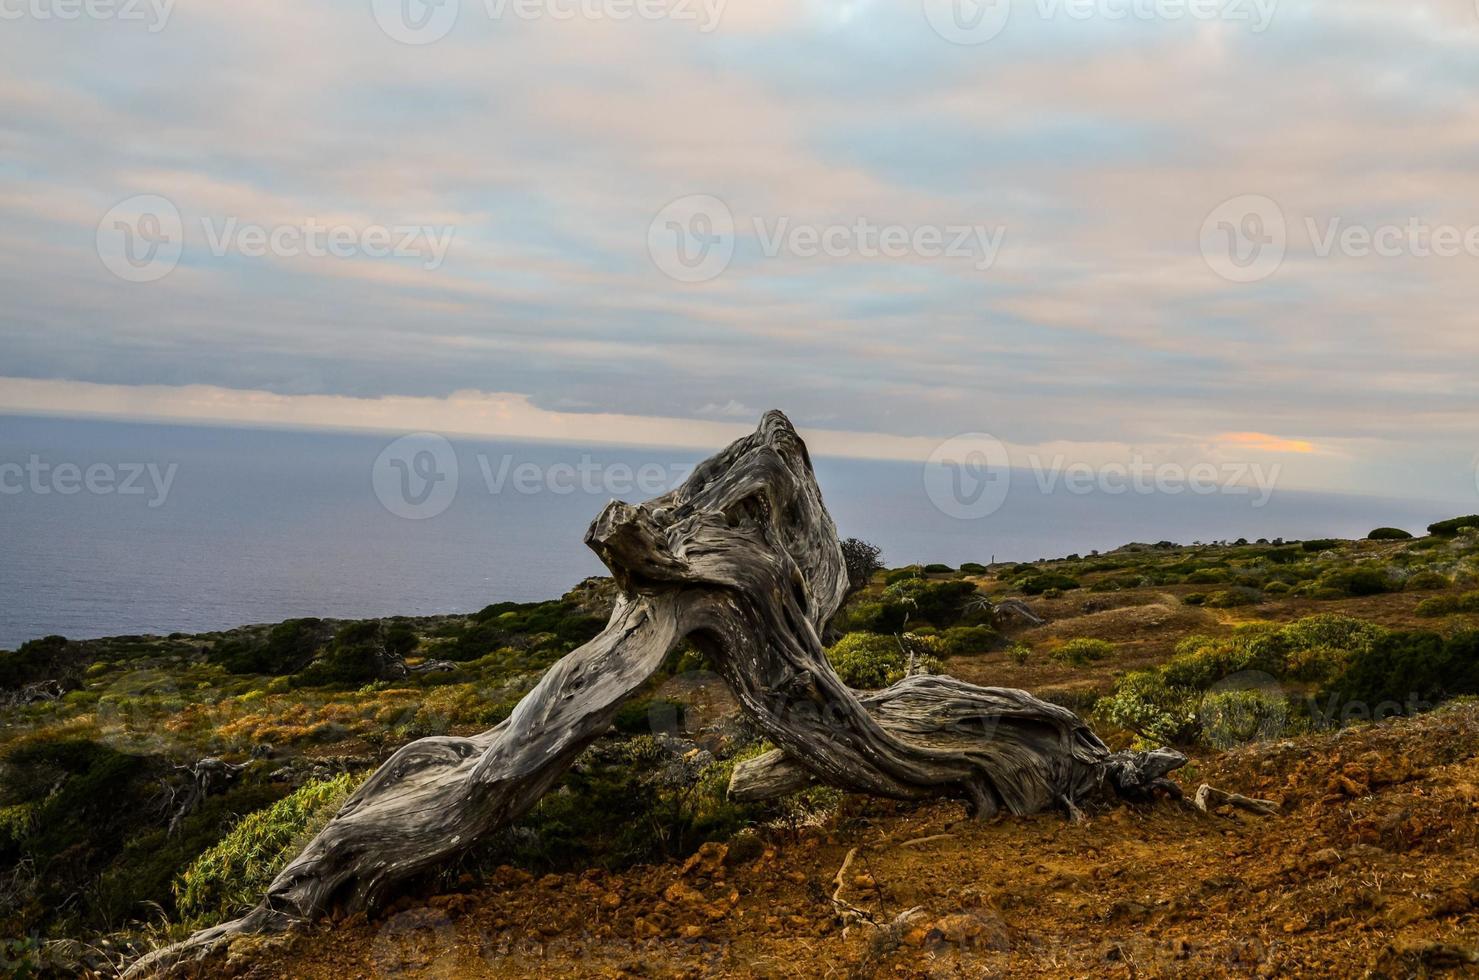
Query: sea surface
[{"x": 113, "y": 528}]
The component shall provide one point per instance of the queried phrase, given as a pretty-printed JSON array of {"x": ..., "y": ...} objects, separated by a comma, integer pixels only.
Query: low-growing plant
[
  {"x": 230, "y": 877},
  {"x": 1389, "y": 534},
  {"x": 1083, "y": 650}
]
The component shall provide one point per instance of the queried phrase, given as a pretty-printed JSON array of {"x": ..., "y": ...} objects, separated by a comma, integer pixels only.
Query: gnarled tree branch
[{"x": 744, "y": 560}]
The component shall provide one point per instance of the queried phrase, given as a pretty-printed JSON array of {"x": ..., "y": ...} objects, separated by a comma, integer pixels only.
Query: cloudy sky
[{"x": 1191, "y": 229}]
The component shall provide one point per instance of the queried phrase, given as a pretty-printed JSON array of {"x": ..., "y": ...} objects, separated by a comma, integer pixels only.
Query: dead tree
[{"x": 744, "y": 561}]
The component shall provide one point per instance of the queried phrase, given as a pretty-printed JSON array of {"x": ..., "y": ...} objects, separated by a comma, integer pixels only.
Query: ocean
[{"x": 113, "y": 528}]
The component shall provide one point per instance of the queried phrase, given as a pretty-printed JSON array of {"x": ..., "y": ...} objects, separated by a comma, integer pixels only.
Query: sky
[{"x": 1226, "y": 230}]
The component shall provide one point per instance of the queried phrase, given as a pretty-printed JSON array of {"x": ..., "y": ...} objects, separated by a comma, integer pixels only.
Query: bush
[
  {"x": 1411, "y": 670},
  {"x": 967, "y": 639},
  {"x": 1019, "y": 654},
  {"x": 1320, "y": 544},
  {"x": 1044, "y": 582},
  {"x": 973, "y": 568},
  {"x": 937, "y": 569},
  {"x": 868, "y": 661},
  {"x": 229, "y": 878},
  {"x": 1426, "y": 580},
  {"x": 1362, "y": 580},
  {"x": 903, "y": 574},
  {"x": 1439, "y": 605},
  {"x": 1231, "y": 718},
  {"x": 1234, "y": 598},
  {"x": 1389, "y": 534},
  {"x": 1144, "y": 704},
  {"x": 1207, "y": 576},
  {"x": 941, "y": 604},
  {"x": 1082, "y": 651},
  {"x": 861, "y": 559},
  {"x": 1454, "y": 525},
  {"x": 1443, "y": 605}
]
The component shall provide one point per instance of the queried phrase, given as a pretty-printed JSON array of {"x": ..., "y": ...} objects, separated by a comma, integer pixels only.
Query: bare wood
[
  {"x": 1209, "y": 798},
  {"x": 744, "y": 561}
]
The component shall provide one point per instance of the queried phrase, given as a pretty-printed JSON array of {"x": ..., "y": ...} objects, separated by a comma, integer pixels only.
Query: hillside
[{"x": 1249, "y": 656}]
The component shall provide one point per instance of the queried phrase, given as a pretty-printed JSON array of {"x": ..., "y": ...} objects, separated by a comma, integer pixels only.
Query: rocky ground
[{"x": 1371, "y": 868}]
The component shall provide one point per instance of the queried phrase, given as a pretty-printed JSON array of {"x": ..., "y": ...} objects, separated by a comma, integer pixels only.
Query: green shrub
[
  {"x": 1083, "y": 650},
  {"x": 289, "y": 647},
  {"x": 868, "y": 661},
  {"x": 1194, "y": 598},
  {"x": 1361, "y": 580},
  {"x": 1409, "y": 671},
  {"x": 937, "y": 569},
  {"x": 1389, "y": 534},
  {"x": 1423, "y": 581},
  {"x": 1019, "y": 654},
  {"x": 1277, "y": 588},
  {"x": 1320, "y": 544},
  {"x": 1454, "y": 525},
  {"x": 229, "y": 878},
  {"x": 1234, "y": 598},
  {"x": 973, "y": 568},
  {"x": 1045, "y": 582},
  {"x": 959, "y": 640},
  {"x": 1439, "y": 605},
  {"x": 1144, "y": 704},
  {"x": 940, "y": 604},
  {"x": 1231, "y": 718},
  {"x": 903, "y": 574},
  {"x": 1207, "y": 576}
]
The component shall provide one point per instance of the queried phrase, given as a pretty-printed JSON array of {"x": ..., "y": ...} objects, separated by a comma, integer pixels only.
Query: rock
[
  {"x": 1325, "y": 857},
  {"x": 973, "y": 930},
  {"x": 684, "y": 896},
  {"x": 709, "y": 860}
]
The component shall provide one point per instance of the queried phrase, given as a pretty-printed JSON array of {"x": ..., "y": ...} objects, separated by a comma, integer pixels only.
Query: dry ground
[{"x": 1371, "y": 868}]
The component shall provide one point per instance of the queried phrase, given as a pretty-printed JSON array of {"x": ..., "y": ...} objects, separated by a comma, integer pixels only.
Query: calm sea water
[{"x": 258, "y": 526}]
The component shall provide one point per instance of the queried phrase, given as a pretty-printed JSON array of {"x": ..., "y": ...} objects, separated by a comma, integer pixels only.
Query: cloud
[{"x": 1264, "y": 442}]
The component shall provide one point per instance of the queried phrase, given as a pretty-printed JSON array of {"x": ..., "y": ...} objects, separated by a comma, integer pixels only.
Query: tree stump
[{"x": 742, "y": 559}]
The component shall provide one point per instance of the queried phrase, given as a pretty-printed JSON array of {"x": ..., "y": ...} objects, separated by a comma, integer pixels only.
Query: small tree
[{"x": 862, "y": 560}]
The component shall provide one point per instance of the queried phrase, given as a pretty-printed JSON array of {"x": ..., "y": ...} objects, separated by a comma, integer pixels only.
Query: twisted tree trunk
[{"x": 744, "y": 560}]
